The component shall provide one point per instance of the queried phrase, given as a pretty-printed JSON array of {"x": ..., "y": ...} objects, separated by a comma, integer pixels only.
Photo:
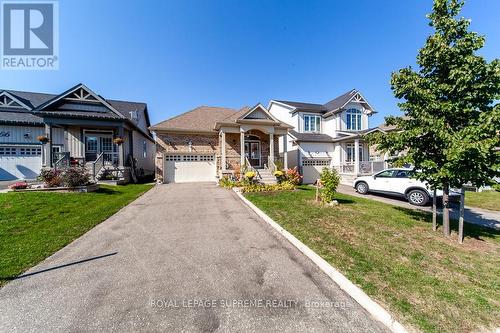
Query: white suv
[{"x": 398, "y": 182}]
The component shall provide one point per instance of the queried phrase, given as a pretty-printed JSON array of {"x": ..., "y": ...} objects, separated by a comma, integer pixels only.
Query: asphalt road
[{"x": 183, "y": 257}]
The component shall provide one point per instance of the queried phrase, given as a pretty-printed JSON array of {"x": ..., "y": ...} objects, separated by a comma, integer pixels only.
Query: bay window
[{"x": 312, "y": 123}]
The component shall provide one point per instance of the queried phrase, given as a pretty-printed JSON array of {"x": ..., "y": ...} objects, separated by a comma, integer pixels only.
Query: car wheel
[
  {"x": 362, "y": 188},
  {"x": 418, "y": 197}
]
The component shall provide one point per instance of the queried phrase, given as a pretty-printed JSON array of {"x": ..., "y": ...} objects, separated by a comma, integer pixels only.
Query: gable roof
[
  {"x": 200, "y": 119},
  {"x": 329, "y": 108},
  {"x": 37, "y": 102}
]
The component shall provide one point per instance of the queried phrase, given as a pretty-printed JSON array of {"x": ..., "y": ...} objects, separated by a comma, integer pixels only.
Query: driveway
[
  {"x": 483, "y": 217},
  {"x": 183, "y": 257}
]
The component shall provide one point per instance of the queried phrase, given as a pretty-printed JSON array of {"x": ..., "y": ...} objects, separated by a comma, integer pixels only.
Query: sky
[{"x": 177, "y": 55}]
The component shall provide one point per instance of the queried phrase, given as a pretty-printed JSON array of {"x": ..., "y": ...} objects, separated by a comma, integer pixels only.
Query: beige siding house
[{"x": 207, "y": 143}]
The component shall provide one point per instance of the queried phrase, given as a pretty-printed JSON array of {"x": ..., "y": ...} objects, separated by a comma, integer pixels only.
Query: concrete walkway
[
  {"x": 148, "y": 267},
  {"x": 483, "y": 217}
]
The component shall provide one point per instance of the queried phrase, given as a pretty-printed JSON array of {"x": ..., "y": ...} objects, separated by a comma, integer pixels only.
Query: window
[
  {"x": 8, "y": 151},
  {"x": 176, "y": 158},
  {"x": 312, "y": 123},
  {"x": 385, "y": 174},
  {"x": 350, "y": 152},
  {"x": 404, "y": 174},
  {"x": 190, "y": 158},
  {"x": 30, "y": 151},
  {"x": 353, "y": 120},
  {"x": 206, "y": 158},
  {"x": 144, "y": 149}
]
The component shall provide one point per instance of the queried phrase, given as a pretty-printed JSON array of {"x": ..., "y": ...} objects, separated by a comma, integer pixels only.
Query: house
[
  {"x": 328, "y": 135},
  {"x": 210, "y": 142},
  {"x": 77, "y": 126}
]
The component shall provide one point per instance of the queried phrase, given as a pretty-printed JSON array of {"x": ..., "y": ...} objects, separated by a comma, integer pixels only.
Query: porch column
[
  {"x": 242, "y": 148},
  {"x": 48, "y": 146},
  {"x": 223, "y": 151},
  {"x": 121, "y": 151},
  {"x": 356, "y": 156},
  {"x": 271, "y": 147},
  {"x": 285, "y": 152}
]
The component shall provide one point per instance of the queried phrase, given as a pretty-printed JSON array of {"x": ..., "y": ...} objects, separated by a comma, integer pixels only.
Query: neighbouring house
[
  {"x": 78, "y": 126},
  {"x": 207, "y": 143},
  {"x": 328, "y": 135}
]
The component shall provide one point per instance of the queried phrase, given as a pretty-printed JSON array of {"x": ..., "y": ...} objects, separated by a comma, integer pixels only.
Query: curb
[{"x": 378, "y": 312}]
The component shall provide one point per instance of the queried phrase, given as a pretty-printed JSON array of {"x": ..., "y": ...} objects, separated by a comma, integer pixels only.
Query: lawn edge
[
  {"x": 82, "y": 235},
  {"x": 377, "y": 311}
]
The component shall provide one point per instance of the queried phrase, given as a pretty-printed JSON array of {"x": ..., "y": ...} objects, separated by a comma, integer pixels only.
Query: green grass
[
  {"x": 427, "y": 281},
  {"x": 486, "y": 200},
  {"x": 35, "y": 225}
]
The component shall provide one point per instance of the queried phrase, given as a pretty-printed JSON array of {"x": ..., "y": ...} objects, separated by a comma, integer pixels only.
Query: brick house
[{"x": 207, "y": 142}]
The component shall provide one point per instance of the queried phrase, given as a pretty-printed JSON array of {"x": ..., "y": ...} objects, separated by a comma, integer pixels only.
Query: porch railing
[
  {"x": 62, "y": 160},
  {"x": 271, "y": 165},
  {"x": 251, "y": 168},
  {"x": 365, "y": 167},
  {"x": 97, "y": 165},
  {"x": 108, "y": 157}
]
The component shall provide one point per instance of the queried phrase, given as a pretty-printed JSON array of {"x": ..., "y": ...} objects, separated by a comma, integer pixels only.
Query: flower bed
[{"x": 82, "y": 189}]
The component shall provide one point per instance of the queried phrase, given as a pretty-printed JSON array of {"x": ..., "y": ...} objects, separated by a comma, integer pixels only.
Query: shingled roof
[{"x": 326, "y": 109}]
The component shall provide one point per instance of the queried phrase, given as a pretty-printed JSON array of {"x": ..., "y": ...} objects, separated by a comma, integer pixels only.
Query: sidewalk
[{"x": 483, "y": 217}]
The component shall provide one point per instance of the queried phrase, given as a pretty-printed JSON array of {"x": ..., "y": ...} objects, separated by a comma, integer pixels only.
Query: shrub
[
  {"x": 73, "y": 177},
  {"x": 51, "y": 177},
  {"x": 330, "y": 180},
  {"x": 283, "y": 186},
  {"x": 227, "y": 182},
  {"x": 250, "y": 174},
  {"x": 293, "y": 176},
  {"x": 496, "y": 187},
  {"x": 280, "y": 175},
  {"x": 18, "y": 186}
]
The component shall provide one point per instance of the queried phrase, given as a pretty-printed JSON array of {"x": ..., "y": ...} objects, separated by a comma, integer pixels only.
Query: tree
[{"x": 451, "y": 119}]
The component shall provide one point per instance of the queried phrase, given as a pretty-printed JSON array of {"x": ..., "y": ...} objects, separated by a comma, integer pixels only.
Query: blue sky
[{"x": 179, "y": 55}]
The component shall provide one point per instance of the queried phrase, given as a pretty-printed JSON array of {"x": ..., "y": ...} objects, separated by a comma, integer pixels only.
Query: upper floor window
[
  {"x": 312, "y": 123},
  {"x": 353, "y": 119}
]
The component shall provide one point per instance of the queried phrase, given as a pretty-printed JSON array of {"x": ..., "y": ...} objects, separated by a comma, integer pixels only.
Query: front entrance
[
  {"x": 97, "y": 143},
  {"x": 253, "y": 152}
]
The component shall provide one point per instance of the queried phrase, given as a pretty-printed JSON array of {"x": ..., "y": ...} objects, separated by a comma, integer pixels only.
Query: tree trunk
[
  {"x": 434, "y": 211},
  {"x": 446, "y": 210},
  {"x": 461, "y": 219}
]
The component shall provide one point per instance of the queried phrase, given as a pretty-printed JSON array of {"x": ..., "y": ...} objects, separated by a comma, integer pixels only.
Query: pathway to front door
[{"x": 184, "y": 257}]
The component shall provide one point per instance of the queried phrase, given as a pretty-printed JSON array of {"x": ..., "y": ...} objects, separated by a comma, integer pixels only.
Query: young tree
[{"x": 451, "y": 115}]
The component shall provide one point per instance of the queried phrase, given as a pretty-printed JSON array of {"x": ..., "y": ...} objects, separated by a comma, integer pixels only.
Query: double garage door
[
  {"x": 186, "y": 168},
  {"x": 17, "y": 162}
]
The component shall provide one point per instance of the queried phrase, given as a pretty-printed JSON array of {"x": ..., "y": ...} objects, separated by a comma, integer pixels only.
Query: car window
[
  {"x": 404, "y": 173},
  {"x": 385, "y": 174}
]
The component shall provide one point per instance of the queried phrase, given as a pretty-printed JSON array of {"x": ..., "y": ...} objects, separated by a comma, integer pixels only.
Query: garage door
[
  {"x": 189, "y": 168},
  {"x": 20, "y": 162},
  {"x": 311, "y": 169}
]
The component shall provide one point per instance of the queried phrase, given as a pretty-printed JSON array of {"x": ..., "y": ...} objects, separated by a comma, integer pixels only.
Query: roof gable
[
  {"x": 9, "y": 101},
  {"x": 79, "y": 99},
  {"x": 258, "y": 112}
]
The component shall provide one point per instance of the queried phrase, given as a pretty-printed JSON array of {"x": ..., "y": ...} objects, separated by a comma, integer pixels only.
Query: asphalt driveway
[{"x": 183, "y": 257}]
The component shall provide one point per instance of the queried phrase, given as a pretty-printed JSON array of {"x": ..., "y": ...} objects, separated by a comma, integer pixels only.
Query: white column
[
  {"x": 242, "y": 148},
  {"x": 356, "y": 156},
  {"x": 285, "y": 152},
  {"x": 223, "y": 152},
  {"x": 121, "y": 151},
  {"x": 271, "y": 147}
]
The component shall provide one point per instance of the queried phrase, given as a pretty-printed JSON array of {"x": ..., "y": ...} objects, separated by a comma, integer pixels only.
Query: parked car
[{"x": 398, "y": 182}]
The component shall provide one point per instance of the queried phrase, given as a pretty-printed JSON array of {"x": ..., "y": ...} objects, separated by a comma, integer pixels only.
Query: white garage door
[
  {"x": 311, "y": 169},
  {"x": 189, "y": 168},
  {"x": 20, "y": 162}
]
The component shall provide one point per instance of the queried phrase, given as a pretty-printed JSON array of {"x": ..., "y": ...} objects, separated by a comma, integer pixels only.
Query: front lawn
[
  {"x": 486, "y": 199},
  {"x": 425, "y": 280},
  {"x": 35, "y": 225}
]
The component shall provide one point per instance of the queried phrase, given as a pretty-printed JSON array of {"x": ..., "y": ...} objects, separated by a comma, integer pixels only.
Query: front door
[
  {"x": 252, "y": 152},
  {"x": 95, "y": 144}
]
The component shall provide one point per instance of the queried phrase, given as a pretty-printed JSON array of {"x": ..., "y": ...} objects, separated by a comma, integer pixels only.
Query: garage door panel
[
  {"x": 311, "y": 169},
  {"x": 20, "y": 162},
  {"x": 190, "y": 168}
]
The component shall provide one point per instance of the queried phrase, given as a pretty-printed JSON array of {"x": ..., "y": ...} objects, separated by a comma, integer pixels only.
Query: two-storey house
[{"x": 328, "y": 135}]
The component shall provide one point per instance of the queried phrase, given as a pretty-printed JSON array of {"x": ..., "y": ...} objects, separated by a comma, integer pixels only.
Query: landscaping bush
[
  {"x": 51, "y": 177},
  {"x": 283, "y": 186},
  {"x": 280, "y": 175},
  {"x": 18, "y": 186},
  {"x": 73, "y": 177},
  {"x": 250, "y": 175},
  {"x": 226, "y": 182},
  {"x": 294, "y": 176},
  {"x": 330, "y": 179}
]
